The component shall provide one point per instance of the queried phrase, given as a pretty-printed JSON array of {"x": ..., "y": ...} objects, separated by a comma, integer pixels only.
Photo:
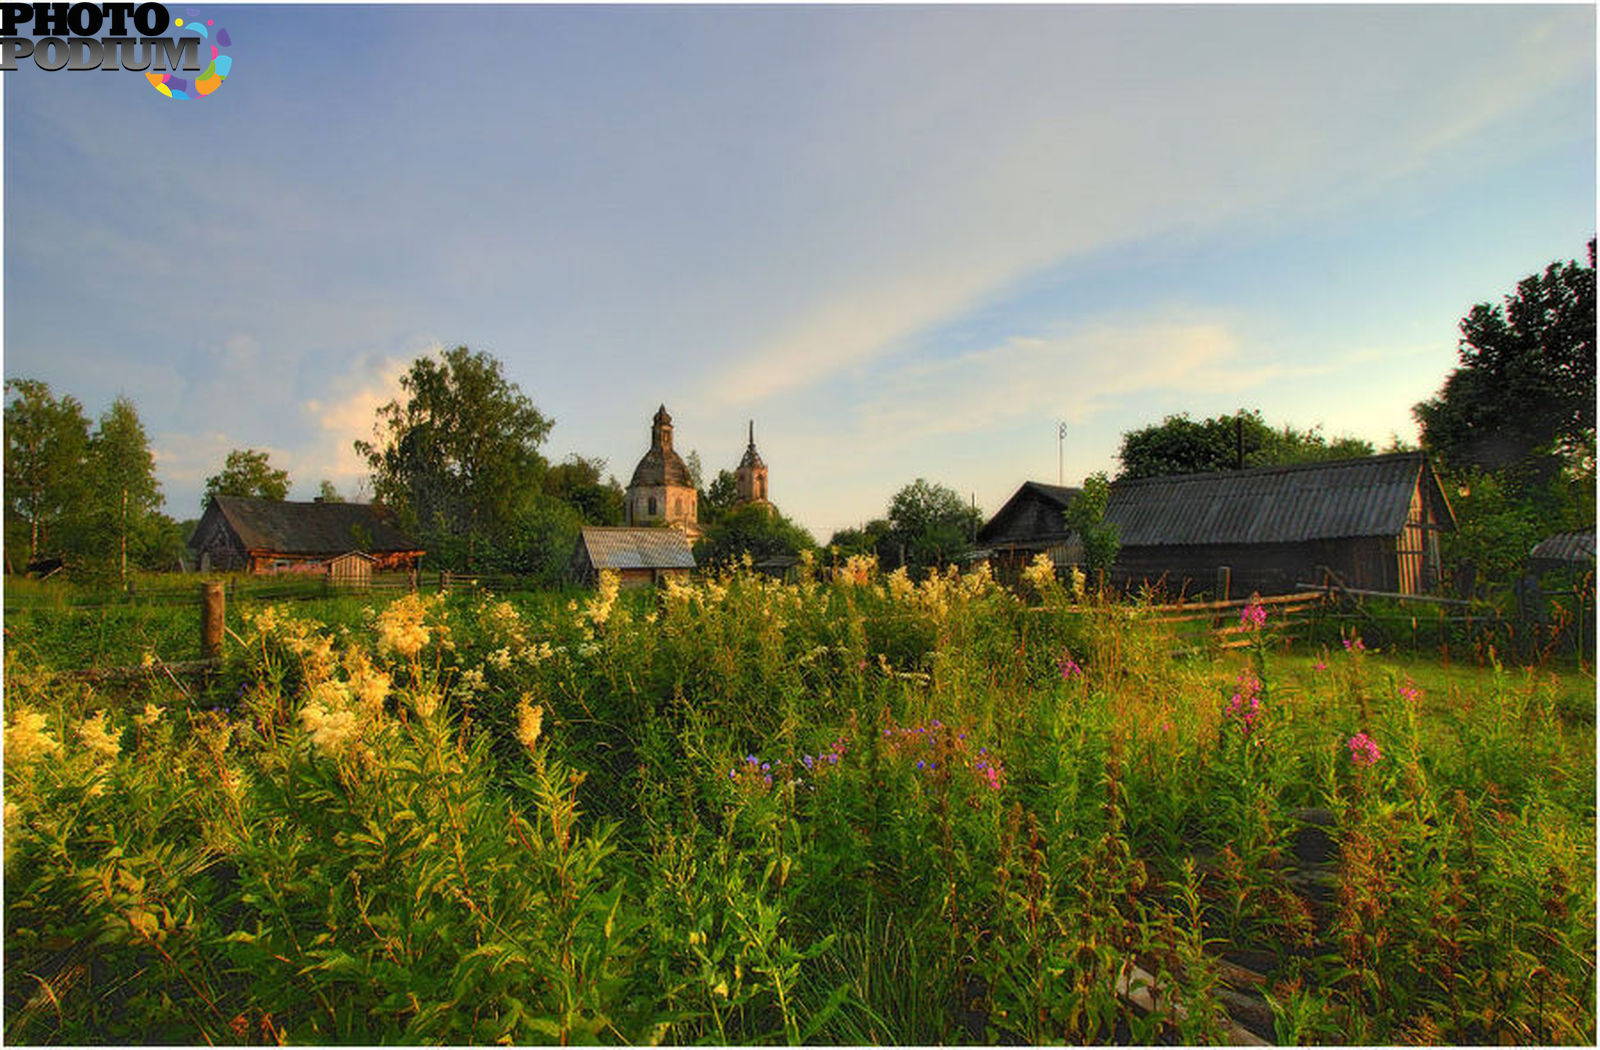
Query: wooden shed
[
  {"x": 639, "y": 555},
  {"x": 1375, "y": 521},
  {"x": 263, "y": 536}
]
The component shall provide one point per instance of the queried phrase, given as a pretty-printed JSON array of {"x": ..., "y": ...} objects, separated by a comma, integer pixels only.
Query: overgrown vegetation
[{"x": 853, "y": 808}]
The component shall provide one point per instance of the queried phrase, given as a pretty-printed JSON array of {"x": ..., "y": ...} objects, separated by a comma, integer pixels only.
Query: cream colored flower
[
  {"x": 152, "y": 715},
  {"x": 900, "y": 586},
  {"x": 400, "y": 626},
  {"x": 97, "y": 739},
  {"x": 26, "y": 738},
  {"x": 598, "y": 609},
  {"x": 331, "y": 732},
  {"x": 1041, "y": 573},
  {"x": 530, "y": 721}
]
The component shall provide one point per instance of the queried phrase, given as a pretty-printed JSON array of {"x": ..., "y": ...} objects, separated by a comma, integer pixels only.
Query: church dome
[{"x": 661, "y": 465}]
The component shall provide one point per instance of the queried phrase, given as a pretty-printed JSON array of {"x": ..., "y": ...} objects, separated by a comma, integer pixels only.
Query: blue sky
[{"x": 906, "y": 241}]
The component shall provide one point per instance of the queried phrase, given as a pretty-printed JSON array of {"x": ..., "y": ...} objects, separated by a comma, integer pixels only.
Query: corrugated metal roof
[
  {"x": 1566, "y": 547},
  {"x": 637, "y": 548},
  {"x": 310, "y": 528},
  {"x": 1344, "y": 498}
]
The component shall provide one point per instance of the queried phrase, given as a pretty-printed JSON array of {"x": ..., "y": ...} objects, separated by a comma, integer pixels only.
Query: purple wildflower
[{"x": 1364, "y": 750}]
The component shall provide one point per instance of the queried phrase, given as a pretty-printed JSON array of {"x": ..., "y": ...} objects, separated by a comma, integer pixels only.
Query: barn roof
[
  {"x": 1021, "y": 512},
  {"x": 1340, "y": 499},
  {"x": 1573, "y": 547},
  {"x": 636, "y": 548},
  {"x": 310, "y": 528}
]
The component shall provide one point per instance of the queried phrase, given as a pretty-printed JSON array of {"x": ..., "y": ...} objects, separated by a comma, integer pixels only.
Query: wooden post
[
  {"x": 1224, "y": 580},
  {"x": 212, "y": 602}
]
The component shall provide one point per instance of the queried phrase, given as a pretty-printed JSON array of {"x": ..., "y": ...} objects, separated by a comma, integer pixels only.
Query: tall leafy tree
[
  {"x": 126, "y": 493},
  {"x": 1523, "y": 395},
  {"x": 1086, "y": 516},
  {"x": 576, "y": 481},
  {"x": 248, "y": 473},
  {"x": 929, "y": 526},
  {"x": 718, "y": 498},
  {"x": 756, "y": 530},
  {"x": 1180, "y": 445},
  {"x": 47, "y": 445},
  {"x": 459, "y": 452}
]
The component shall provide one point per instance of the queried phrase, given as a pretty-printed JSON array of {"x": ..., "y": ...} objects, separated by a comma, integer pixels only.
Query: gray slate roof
[
  {"x": 1576, "y": 547},
  {"x": 310, "y": 528},
  {"x": 1370, "y": 496},
  {"x": 636, "y": 548}
]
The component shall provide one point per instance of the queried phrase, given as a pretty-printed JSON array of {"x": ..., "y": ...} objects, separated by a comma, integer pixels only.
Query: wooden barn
[
  {"x": 641, "y": 556},
  {"x": 266, "y": 536},
  {"x": 1028, "y": 525},
  {"x": 1374, "y": 521}
]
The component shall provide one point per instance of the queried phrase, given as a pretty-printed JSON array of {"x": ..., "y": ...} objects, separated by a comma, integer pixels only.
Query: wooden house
[
  {"x": 1029, "y": 524},
  {"x": 639, "y": 555},
  {"x": 1373, "y": 521},
  {"x": 265, "y": 536}
]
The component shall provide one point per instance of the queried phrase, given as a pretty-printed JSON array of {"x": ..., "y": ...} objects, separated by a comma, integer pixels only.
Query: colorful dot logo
[{"x": 215, "y": 73}]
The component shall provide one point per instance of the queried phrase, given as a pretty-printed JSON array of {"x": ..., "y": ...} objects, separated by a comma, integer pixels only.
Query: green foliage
[
  {"x": 248, "y": 473},
  {"x": 327, "y": 492},
  {"x": 576, "y": 482},
  {"x": 1179, "y": 445},
  {"x": 1086, "y": 516},
  {"x": 719, "y": 498},
  {"x": 459, "y": 456},
  {"x": 847, "y": 809},
  {"x": 537, "y": 541},
  {"x": 47, "y": 443},
  {"x": 1523, "y": 396},
  {"x": 757, "y": 530},
  {"x": 869, "y": 539},
  {"x": 930, "y": 526}
]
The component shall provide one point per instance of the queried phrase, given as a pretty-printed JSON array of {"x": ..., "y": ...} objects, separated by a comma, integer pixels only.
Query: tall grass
[{"x": 848, "y": 808}]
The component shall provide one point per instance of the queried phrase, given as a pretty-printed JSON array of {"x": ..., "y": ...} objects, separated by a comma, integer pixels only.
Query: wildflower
[
  {"x": 152, "y": 714},
  {"x": 1040, "y": 573},
  {"x": 901, "y": 588},
  {"x": 1069, "y": 667},
  {"x": 425, "y": 703},
  {"x": 1354, "y": 645},
  {"x": 1410, "y": 694},
  {"x": 1245, "y": 705},
  {"x": 1253, "y": 617},
  {"x": 331, "y": 731},
  {"x": 1364, "y": 750},
  {"x": 95, "y": 737},
  {"x": 598, "y": 608},
  {"x": 26, "y": 737},
  {"x": 530, "y": 721},
  {"x": 1076, "y": 581},
  {"x": 400, "y": 626},
  {"x": 1319, "y": 666}
]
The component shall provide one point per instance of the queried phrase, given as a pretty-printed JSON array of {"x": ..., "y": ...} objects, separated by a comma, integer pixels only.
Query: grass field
[{"x": 851, "y": 809}]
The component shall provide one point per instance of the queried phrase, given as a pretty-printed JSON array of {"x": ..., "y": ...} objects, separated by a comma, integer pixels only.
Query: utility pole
[{"x": 1061, "y": 437}]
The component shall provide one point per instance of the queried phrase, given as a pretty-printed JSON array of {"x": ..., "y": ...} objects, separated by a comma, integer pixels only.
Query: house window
[{"x": 652, "y": 506}]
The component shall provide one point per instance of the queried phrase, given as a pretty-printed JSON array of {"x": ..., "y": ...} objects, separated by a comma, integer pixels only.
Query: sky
[{"x": 905, "y": 241}]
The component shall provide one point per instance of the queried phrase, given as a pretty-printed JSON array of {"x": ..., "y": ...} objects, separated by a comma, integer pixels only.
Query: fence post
[
  {"x": 1224, "y": 581},
  {"x": 212, "y": 603}
]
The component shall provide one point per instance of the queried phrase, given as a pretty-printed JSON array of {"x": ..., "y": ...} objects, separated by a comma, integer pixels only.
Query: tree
[
  {"x": 720, "y": 498},
  {"x": 1523, "y": 396},
  {"x": 126, "y": 493},
  {"x": 250, "y": 474},
  {"x": 460, "y": 454},
  {"x": 1086, "y": 516},
  {"x": 576, "y": 482},
  {"x": 929, "y": 526},
  {"x": 47, "y": 444},
  {"x": 1179, "y": 445},
  {"x": 757, "y": 530},
  {"x": 327, "y": 493}
]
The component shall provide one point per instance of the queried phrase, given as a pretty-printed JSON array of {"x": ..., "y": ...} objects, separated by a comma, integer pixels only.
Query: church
[{"x": 661, "y": 491}]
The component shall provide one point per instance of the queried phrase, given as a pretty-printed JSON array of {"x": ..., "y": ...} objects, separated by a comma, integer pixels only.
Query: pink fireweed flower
[
  {"x": 1253, "y": 617},
  {"x": 1364, "y": 750},
  {"x": 1245, "y": 705},
  {"x": 1068, "y": 667},
  {"x": 1410, "y": 694},
  {"x": 1354, "y": 645},
  {"x": 1320, "y": 665}
]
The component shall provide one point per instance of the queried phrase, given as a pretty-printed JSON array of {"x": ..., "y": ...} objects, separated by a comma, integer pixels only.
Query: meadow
[{"x": 851, "y": 808}]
